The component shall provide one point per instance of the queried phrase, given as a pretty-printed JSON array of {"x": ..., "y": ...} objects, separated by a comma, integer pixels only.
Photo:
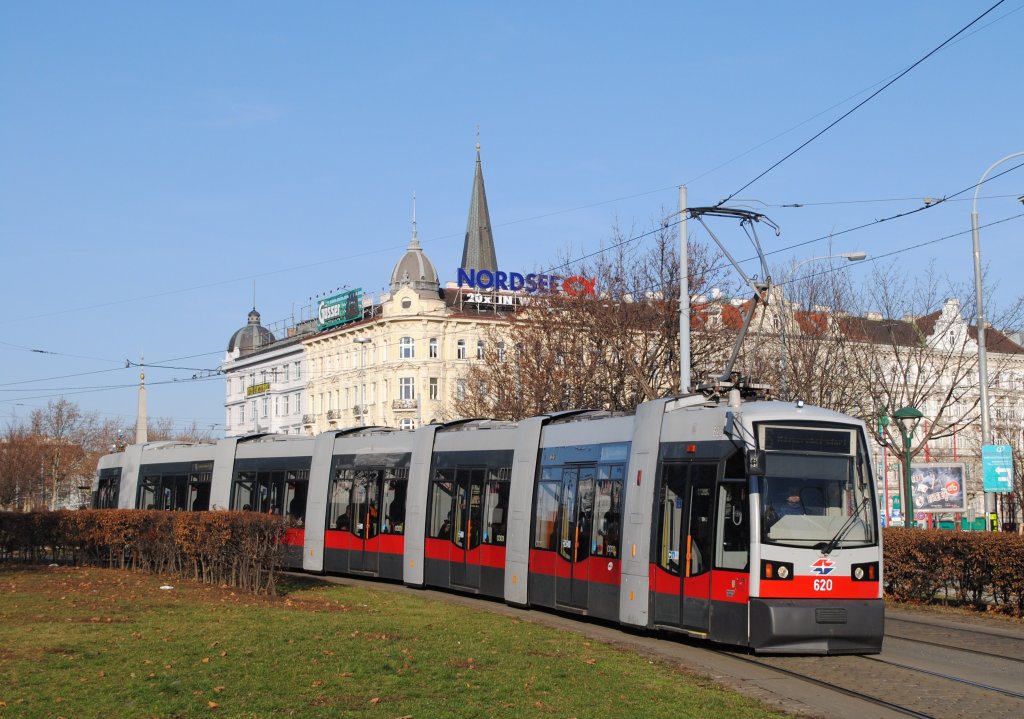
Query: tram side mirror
[{"x": 755, "y": 463}]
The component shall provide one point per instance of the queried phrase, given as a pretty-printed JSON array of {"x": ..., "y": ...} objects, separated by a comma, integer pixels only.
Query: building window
[
  {"x": 407, "y": 424},
  {"x": 479, "y": 349},
  {"x": 406, "y": 388},
  {"x": 298, "y": 403},
  {"x": 241, "y": 414},
  {"x": 460, "y": 390},
  {"x": 277, "y": 406},
  {"x": 284, "y": 405},
  {"x": 433, "y": 388},
  {"x": 284, "y": 372},
  {"x": 433, "y": 348},
  {"x": 460, "y": 349},
  {"x": 501, "y": 351},
  {"x": 407, "y": 348},
  {"x": 298, "y": 371},
  {"x": 266, "y": 406}
]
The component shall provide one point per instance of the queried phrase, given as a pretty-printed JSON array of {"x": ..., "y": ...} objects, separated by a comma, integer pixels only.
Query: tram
[{"x": 746, "y": 523}]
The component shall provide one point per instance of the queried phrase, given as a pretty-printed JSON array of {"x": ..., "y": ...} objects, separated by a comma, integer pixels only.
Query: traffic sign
[{"x": 997, "y": 465}]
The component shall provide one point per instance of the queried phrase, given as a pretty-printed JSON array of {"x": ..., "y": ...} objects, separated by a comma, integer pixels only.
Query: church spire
[{"x": 478, "y": 250}]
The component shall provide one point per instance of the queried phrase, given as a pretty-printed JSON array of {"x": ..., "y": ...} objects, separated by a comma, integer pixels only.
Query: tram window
[
  {"x": 339, "y": 515},
  {"x": 812, "y": 500},
  {"x": 580, "y": 526},
  {"x": 546, "y": 515},
  {"x": 396, "y": 488},
  {"x": 441, "y": 502},
  {"x": 199, "y": 491},
  {"x": 732, "y": 545},
  {"x": 107, "y": 489},
  {"x": 295, "y": 492},
  {"x": 607, "y": 515},
  {"x": 702, "y": 502},
  {"x": 495, "y": 516},
  {"x": 365, "y": 503},
  {"x": 670, "y": 528},
  {"x": 148, "y": 493}
]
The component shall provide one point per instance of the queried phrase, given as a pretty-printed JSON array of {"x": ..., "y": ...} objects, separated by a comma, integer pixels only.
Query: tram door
[
  {"x": 697, "y": 541},
  {"x": 467, "y": 527},
  {"x": 575, "y": 523},
  {"x": 685, "y": 549},
  {"x": 365, "y": 508}
]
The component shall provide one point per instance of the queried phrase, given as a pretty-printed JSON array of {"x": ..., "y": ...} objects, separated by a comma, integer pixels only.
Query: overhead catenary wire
[{"x": 861, "y": 104}]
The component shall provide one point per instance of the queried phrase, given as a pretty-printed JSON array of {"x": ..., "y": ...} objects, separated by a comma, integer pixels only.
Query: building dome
[
  {"x": 415, "y": 269},
  {"x": 251, "y": 337}
]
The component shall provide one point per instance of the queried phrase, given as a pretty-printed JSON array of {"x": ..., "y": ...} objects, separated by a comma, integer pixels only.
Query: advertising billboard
[
  {"x": 938, "y": 487},
  {"x": 339, "y": 309}
]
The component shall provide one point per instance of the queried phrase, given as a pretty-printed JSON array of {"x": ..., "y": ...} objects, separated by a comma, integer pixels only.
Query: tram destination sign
[
  {"x": 804, "y": 439},
  {"x": 339, "y": 309}
]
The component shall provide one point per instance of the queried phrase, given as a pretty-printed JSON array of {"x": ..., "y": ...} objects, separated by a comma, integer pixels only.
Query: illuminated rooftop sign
[{"x": 514, "y": 282}]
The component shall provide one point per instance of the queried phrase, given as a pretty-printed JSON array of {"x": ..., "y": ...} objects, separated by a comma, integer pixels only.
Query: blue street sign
[{"x": 997, "y": 465}]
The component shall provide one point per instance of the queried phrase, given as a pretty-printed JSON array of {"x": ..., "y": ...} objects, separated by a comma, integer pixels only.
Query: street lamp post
[
  {"x": 907, "y": 418},
  {"x": 362, "y": 341},
  {"x": 855, "y": 256},
  {"x": 986, "y": 432}
]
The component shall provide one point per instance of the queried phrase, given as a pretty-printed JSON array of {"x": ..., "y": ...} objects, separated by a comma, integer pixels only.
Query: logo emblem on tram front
[{"x": 823, "y": 566}]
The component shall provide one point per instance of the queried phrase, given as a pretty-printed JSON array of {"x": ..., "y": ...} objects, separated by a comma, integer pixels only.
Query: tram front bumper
[{"x": 815, "y": 626}]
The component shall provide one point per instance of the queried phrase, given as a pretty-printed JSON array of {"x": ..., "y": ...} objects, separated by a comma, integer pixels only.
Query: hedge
[
  {"x": 980, "y": 569},
  {"x": 238, "y": 549},
  {"x": 243, "y": 549}
]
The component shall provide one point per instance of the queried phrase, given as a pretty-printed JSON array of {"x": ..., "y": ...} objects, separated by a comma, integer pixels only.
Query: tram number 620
[{"x": 823, "y": 585}]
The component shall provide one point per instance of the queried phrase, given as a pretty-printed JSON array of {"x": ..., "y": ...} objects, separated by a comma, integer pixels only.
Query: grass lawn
[{"x": 85, "y": 642}]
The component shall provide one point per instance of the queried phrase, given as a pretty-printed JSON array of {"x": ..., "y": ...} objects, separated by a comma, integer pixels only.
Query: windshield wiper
[{"x": 843, "y": 530}]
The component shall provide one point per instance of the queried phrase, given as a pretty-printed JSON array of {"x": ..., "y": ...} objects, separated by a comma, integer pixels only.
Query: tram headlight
[
  {"x": 776, "y": 570},
  {"x": 865, "y": 572}
]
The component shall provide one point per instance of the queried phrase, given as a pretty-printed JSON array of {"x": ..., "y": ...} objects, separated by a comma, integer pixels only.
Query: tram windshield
[{"x": 816, "y": 501}]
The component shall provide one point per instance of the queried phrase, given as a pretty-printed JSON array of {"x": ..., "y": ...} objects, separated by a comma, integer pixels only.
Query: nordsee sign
[
  {"x": 339, "y": 309},
  {"x": 514, "y": 281}
]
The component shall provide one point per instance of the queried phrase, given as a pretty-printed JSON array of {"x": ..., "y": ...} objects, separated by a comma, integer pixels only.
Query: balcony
[
  {"x": 309, "y": 419},
  {"x": 404, "y": 405},
  {"x": 333, "y": 414}
]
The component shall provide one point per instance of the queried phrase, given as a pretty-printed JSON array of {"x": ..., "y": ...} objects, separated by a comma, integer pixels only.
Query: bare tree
[
  {"x": 21, "y": 467},
  {"x": 163, "y": 428},
  {"x": 799, "y": 345},
  {"x": 611, "y": 349},
  {"x": 69, "y": 439}
]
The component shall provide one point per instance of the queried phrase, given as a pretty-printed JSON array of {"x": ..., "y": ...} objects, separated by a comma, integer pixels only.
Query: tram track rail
[
  {"x": 960, "y": 638},
  {"x": 818, "y": 682},
  {"x": 948, "y": 677}
]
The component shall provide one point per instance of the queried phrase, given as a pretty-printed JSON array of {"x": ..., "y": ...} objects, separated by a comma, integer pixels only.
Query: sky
[{"x": 159, "y": 161}]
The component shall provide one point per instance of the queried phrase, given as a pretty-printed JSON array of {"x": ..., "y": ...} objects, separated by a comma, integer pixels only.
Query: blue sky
[{"x": 158, "y": 158}]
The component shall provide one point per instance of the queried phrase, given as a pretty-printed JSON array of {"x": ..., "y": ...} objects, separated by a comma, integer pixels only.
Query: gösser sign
[
  {"x": 514, "y": 281},
  {"x": 339, "y": 309}
]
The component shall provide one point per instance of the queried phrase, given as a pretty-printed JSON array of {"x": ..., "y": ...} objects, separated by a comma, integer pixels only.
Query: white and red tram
[{"x": 747, "y": 523}]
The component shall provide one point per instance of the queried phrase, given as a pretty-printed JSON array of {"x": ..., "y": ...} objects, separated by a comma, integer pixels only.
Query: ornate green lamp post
[{"x": 907, "y": 418}]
